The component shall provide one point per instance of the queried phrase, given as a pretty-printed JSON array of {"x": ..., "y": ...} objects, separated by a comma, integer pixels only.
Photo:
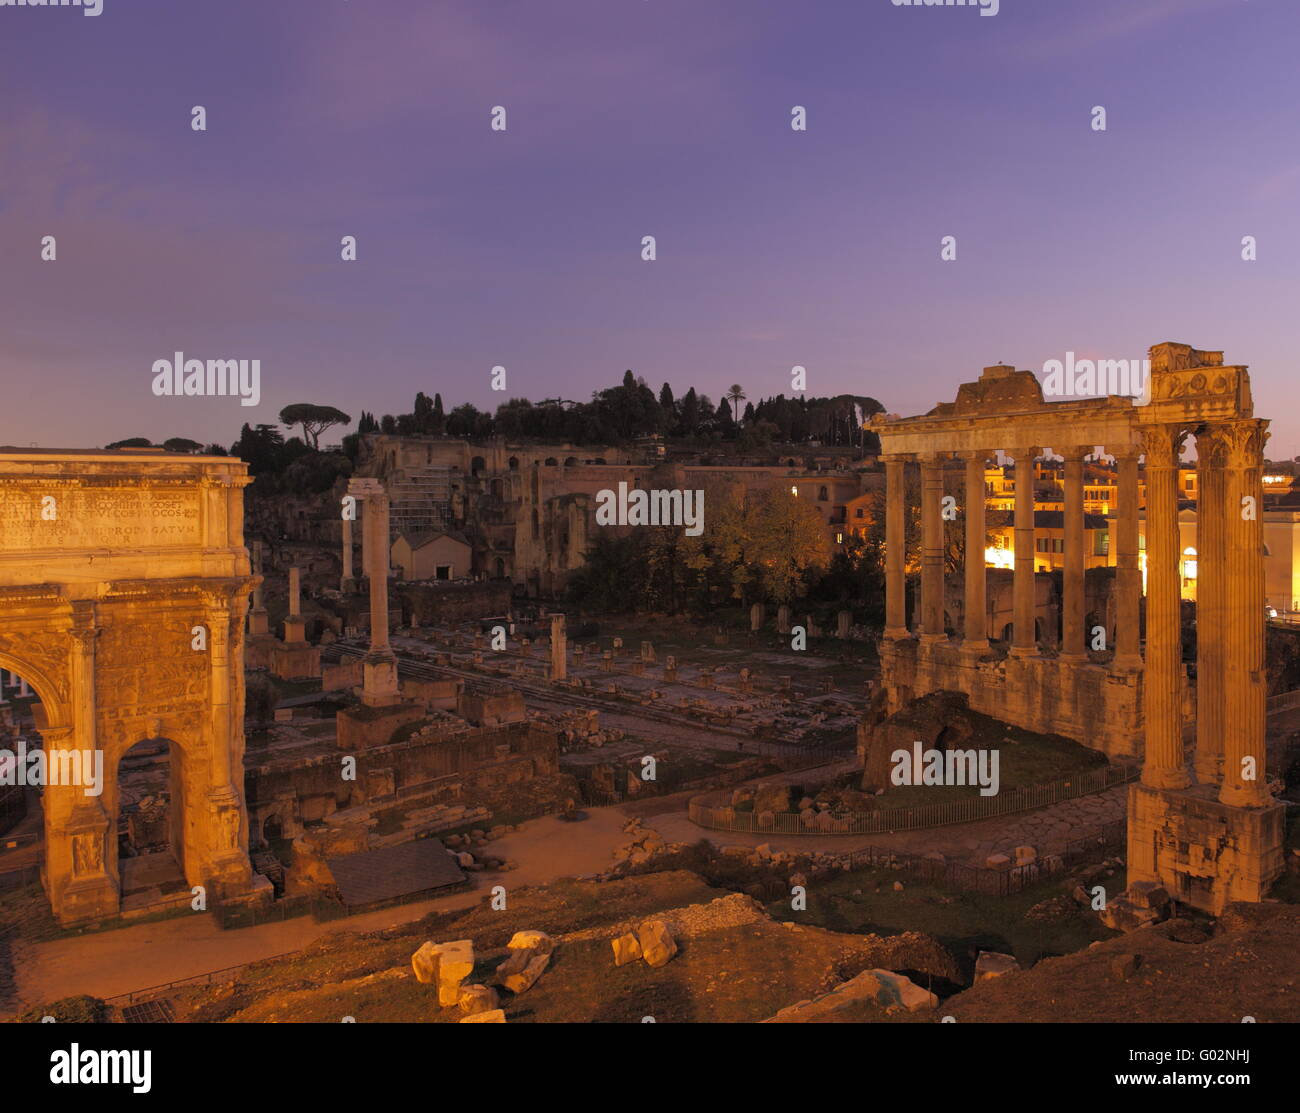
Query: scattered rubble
[{"x": 884, "y": 988}]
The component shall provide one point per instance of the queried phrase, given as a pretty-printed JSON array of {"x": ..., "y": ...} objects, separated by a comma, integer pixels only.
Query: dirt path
[{"x": 143, "y": 955}]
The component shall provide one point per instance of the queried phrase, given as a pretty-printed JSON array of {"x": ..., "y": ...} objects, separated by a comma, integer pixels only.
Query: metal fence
[
  {"x": 126, "y": 999},
  {"x": 888, "y": 820}
]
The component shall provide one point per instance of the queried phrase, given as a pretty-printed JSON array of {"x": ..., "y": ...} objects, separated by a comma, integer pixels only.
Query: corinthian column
[
  {"x": 1211, "y": 666},
  {"x": 977, "y": 638},
  {"x": 1024, "y": 643},
  {"x": 1128, "y": 576},
  {"x": 1243, "y": 622},
  {"x": 1073, "y": 580},
  {"x": 1162, "y": 689},
  {"x": 895, "y": 549},
  {"x": 932, "y": 628}
]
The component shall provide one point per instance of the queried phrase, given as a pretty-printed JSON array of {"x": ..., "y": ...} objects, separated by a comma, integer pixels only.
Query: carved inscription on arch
[{"x": 95, "y": 517}]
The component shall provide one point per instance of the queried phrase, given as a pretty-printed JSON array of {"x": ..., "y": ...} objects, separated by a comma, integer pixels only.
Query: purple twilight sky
[{"x": 629, "y": 118}]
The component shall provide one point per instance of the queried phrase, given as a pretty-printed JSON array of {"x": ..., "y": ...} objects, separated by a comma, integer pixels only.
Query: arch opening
[{"x": 151, "y": 831}]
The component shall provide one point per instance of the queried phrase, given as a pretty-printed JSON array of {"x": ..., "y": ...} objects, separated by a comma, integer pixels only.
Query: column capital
[
  {"x": 1243, "y": 442},
  {"x": 1027, "y": 453},
  {"x": 1162, "y": 445},
  {"x": 897, "y": 457},
  {"x": 84, "y": 628}
]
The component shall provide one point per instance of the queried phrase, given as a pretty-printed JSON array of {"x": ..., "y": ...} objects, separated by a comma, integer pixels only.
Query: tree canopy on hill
[
  {"x": 314, "y": 419},
  {"x": 630, "y": 410}
]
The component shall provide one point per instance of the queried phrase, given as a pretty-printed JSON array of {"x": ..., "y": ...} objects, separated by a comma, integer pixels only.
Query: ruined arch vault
[{"x": 108, "y": 561}]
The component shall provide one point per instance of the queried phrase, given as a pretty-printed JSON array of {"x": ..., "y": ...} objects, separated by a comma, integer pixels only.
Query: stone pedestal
[
  {"x": 360, "y": 728},
  {"x": 1205, "y": 853},
  {"x": 295, "y": 662},
  {"x": 379, "y": 680}
]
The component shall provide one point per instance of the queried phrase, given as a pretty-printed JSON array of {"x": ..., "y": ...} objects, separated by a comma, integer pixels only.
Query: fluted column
[
  {"x": 977, "y": 637},
  {"x": 895, "y": 549},
  {"x": 345, "y": 582},
  {"x": 932, "y": 628},
  {"x": 1243, "y": 627},
  {"x": 1210, "y": 662},
  {"x": 1073, "y": 644},
  {"x": 1024, "y": 643},
  {"x": 220, "y": 683},
  {"x": 1162, "y": 689},
  {"x": 1128, "y": 576},
  {"x": 376, "y": 546}
]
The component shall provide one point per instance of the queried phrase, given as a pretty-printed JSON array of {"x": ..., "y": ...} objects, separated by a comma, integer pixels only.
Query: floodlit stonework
[
  {"x": 1202, "y": 824},
  {"x": 136, "y": 552}
]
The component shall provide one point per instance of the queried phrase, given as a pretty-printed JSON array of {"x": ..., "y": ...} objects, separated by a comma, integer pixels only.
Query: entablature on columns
[
  {"x": 1111, "y": 425},
  {"x": 1188, "y": 388}
]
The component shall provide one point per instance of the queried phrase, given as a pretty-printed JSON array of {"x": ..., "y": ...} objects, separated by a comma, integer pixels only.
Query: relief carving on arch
[
  {"x": 46, "y": 652},
  {"x": 87, "y": 854}
]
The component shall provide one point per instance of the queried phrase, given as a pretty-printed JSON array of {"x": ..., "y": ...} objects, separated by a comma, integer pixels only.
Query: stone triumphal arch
[
  {"x": 124, "y": 585},
  {"x": 1201, "y": 822}
]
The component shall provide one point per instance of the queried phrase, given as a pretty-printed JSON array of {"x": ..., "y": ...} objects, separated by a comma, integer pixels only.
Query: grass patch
[{"x": 965, "y": 923}]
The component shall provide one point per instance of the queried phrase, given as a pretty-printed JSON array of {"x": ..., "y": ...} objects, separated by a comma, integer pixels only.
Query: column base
[
  {"x": 1024, "y": 651},
  {"x": 88, "y": 900},
  {"x": 1073, "y": 658},
  {"x": 1234, "y": 796},
  {"x": 933, "y": 639},
  {"x": 1208, "y": 771},
  {"x": 379, "y": 684},
  {"x": 897, "y": 633},
  {"x": 1165, "y": 778}
]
